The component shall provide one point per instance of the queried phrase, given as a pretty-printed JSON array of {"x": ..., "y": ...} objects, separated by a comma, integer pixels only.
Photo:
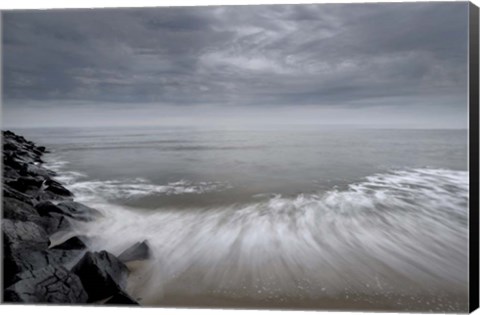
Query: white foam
[
  {"x": 139, "y": 187},
  {"x": 401, "y": 232}
]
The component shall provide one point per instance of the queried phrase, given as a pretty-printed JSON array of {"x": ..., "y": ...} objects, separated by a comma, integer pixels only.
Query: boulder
[
  {"x": 55, "y": 222},
  {"x": 45, "y": 195},
  {"x": 20, "y": 238},
  {"x": 71, "y": 209},
  {"x": 78, "y": 211},
  {"x": 26, "y": 184},
  {"x": 15, "y": 194},
  {"x": 57, "y": 188},
  {"x": 75, "y": 242},
  {"x": 9, "y": 173},
  {"x": 138, "y": 251},
  {"x": 52, "y": 284},
  {"x": 18, "y": 210},
  {"x": 19, "y": 261},
  {"x": 45, "y": 208},
  {"x": 121, "y": 298},
  {"x": 11, "y": 159},
  {"x": 24, "y": 235},
  {"x": 36, "y": 171},
  {"x": 102, "y": 274}
]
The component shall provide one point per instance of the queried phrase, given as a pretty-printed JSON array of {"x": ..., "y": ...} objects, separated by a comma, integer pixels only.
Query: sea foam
[{"x": 398, "y": 233}]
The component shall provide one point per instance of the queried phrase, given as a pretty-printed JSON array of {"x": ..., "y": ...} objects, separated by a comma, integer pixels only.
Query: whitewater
[{"x": 390, "y": 237}]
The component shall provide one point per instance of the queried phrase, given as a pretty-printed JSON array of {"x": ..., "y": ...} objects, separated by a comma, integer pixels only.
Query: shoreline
[{"x": 36, "y": 208}]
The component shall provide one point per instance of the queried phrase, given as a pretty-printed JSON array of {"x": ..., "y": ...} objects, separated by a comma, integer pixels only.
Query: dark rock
[
  {"x": 102, "y": 274},
  {"x": 15, "y": 194},
  {"x": 55, "y": 223},
  {"x": 37, "y": 171},
  {"x": 52, "y": 284},
  {"x": 71, "y": 209},
  {"x": 9, "y": 146},
  {"x": 53, "y": 218},
  {"x": 44, "y": 195},
  {"x": 20, "y": 238},
  {"x": 11, "y": 159},
  {"x": 138, "y": 251},
  {"x": 45, "y": 208},
  {"x": 25, "y": 183},
  {"x": 19, "y": 261},
  {"x": 78, "y": 211},
  {"x": 24, "y": 235},
  {"x": 9, "y": 173},
  {"x": 18, "y": 210},
  {"x": 76, "y": 242},
  {"x": 121, "y": 298},
  {"x": 41, "y": 149},
  {"x": 57, "y": 188}
]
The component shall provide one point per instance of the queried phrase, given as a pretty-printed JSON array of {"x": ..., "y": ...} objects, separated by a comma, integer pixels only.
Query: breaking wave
[
  {"x": 400, "y": 233},
  {"x": 94, "y": 190}
]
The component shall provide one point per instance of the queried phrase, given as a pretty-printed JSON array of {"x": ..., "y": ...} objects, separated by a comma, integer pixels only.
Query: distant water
[{"x": 298, "y": 217}]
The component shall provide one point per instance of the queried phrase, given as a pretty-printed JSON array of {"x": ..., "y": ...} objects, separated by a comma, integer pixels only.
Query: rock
[
  {"x": 37, "y": 171},
  {"x": 138, "y": 251},
  {"x": 9, "y": 146},
  {"x": 52, "y": 284},
  {"x": 15, "y": 194},
  {"x": 76, "y": 242},
  {"x": 24, "y": 235},
  {"x": 71, "y": 209},
  {"x": 57, "y": 188},
  {"x": 11, "y": 159},
  {"x": 19, "y": 261},
  {"x": 20, "y": 238},
  {"x": 44, "y": 195},
  {"x": 55, "y": 222},
  {"x": 26, "y": 184},
  {"x": 78, "y": 211},
  {"x": 121, "y": 298},
  {"x": 102, "y": 274},
  {"x": 9, "y": 173},
  {"x": 41, "y": 149},
  {"x": 18, "y": 210},
  {"x": 53, "y": 217},
  {"x": 45, "y": 208}
]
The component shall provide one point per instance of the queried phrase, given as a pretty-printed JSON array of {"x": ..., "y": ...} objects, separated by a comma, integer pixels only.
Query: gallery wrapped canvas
[{"x": 306, "y": 156}]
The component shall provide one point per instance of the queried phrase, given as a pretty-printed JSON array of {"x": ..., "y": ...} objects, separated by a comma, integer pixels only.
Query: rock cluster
[{"x": 35, "y": 207}]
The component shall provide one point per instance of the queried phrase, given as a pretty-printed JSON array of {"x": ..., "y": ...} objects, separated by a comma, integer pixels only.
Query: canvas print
[{"x": 308, "y": 156}]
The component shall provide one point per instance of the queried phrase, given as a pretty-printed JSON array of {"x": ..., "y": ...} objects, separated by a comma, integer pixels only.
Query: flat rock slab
[
  {"x": 52, "y": 284},
  {"x": 102, "y": 274}
]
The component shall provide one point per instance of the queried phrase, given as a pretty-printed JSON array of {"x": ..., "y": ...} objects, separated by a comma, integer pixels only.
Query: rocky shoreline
[{"x": 36, "y": 207}]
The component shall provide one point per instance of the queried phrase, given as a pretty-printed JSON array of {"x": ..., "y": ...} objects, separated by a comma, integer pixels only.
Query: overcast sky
[{"x": 394, "y": 65}]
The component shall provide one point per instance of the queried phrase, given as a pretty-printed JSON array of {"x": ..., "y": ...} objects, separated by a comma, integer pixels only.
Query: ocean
[{"x": 284, "y": 217}]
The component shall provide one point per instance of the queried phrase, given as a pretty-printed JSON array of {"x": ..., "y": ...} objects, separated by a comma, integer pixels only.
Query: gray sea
[{"x": 282, "y": 217}]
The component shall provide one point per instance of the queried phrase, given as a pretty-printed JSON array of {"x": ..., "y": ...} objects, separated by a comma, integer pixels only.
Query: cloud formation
[{"x": 355, "y": 55}]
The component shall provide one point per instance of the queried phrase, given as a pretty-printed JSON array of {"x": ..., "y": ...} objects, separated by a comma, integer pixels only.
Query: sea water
[{"x": 297, "y": 216}]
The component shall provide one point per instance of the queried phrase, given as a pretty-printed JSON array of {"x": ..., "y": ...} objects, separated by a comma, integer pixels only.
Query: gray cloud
[{"x": 247, "y": 56}]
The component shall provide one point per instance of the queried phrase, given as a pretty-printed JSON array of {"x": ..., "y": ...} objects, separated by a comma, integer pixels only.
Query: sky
[{"x": 395, "y": 65}]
